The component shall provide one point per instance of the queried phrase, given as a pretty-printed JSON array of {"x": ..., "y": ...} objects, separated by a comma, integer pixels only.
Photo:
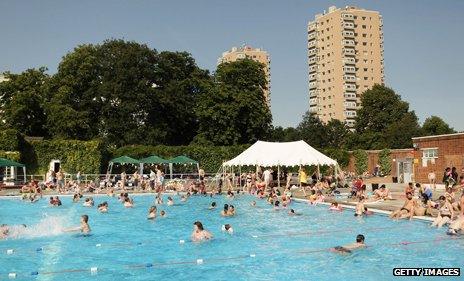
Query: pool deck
[{"x": 384, "y": 207}]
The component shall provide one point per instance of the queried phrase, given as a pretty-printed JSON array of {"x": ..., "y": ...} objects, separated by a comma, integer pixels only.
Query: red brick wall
[
  {"x": 450, "y": 154},
  {"x": 373, "y": 159}
]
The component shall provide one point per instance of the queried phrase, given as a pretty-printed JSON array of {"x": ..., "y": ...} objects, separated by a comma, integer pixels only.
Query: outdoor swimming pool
[{"x": 266, "y": 245}]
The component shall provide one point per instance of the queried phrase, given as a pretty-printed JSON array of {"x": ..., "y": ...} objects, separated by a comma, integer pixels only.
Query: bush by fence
[
  {"x": 10, "y": 140},
  {"x": 83, "y": 156},
  {"x": 11, "y": 155},
  {"x": 360, "y": 158}
]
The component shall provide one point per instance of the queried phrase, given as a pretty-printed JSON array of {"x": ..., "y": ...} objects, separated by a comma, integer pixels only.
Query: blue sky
[{"x": 424, "y": 61}]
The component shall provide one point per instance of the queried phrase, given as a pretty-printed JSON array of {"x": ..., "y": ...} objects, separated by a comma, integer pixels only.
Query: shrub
[
  {"x": 385, "y": 161},
  {"x": 341, "y": 155},
  {"x": 10, "y": 140},
  {"x": 360, "y": 158}
]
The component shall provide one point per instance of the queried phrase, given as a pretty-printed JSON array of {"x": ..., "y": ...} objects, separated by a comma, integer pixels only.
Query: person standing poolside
[
  {"x": 60, "y": 181},
  {"x": 303, "y": 180},
  {"x": 432, "y": 180},
  {"x": 407, "y": 211},
  {"x": 199, "y": 233},
  {"x": 347, "y": 249}
]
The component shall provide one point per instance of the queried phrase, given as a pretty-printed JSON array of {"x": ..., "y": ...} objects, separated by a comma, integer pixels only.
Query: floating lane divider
[
  {"x": 94, "y": 270},
  {"x": 182, "y": 241}
]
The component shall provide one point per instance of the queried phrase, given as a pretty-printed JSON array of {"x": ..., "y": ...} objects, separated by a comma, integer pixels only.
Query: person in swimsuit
[
  {"x": 199, "y": 233},
  {"x": 170, "y": 201},
  {"x": 347, "y": 249},
  {"x": 382, "y": 193},
  {"x": 359, "y": 210},
  {"x": 103, "y": 207},
  {"x": 445, "y": 212},
  {"x": 84, "y": 227},
  {"x": 407, "y": 211},
  {"x": 151, "y": 213},
  {"x": 212, "y": 206}
]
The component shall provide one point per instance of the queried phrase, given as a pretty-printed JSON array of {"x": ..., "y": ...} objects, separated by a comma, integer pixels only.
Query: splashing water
[{"x": 47, "y": 226}]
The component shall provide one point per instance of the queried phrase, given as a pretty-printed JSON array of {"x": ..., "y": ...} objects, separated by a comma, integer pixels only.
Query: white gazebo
[{"x": 267, "y": 154}]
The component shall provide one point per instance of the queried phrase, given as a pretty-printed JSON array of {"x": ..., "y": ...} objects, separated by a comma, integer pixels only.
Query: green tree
[
  {"x": 22, "y": 101},
  {"x": 233, "y": 110},
  {"x": 434, "y": 125},
  {"x": 337, "y": 133},
  {"x": 312, "y": 130},
  {"x": 126, "y": 93},
  {"x": 384, "y": 120}
]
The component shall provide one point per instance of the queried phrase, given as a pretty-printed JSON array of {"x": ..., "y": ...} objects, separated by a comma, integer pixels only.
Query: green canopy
[
  {"x": 182, "y": 159},
  {"x": 153, "y": 160},
  {"x": 125, "y": 160},
  {"x": 9, "y": 163}
]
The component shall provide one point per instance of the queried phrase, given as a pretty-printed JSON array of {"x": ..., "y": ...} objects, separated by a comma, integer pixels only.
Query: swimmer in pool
[
  {"x": 346, "y": 249},
  {"x": 103, "y": 207},
  {"x": 159, "y": 200},
  {"x": 227, "y": 228},
  {"x": 359, "y": 210},
  {"x": 199, "y": 233},
  {"x": 170, "y": 201},
  {"x": 212, "y": 206},
  {"x": 183, "y": 198},
  {"x": 292, "y": 213},
  {"x": 4, "y": 230},
  {"x": 225, "y": 211},
  {"x": 162, "y": 214},
  {"x": 276, "y": 205},
  {"x": 88, "y": 202},
  {"x": 151, "y": 213},
  {"x": 84, "y": 227},
  {"x": 231, "y": 211},
  {"x": 335, "y": 207},
  {"x": 253, "y": 203},
  {"x": 128, "y": 203}
]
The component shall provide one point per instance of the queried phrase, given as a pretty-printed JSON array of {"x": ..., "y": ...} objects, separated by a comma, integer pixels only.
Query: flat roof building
[{"x": 345, "y": 58}]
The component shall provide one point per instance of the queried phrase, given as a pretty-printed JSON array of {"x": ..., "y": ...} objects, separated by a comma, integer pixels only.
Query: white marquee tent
[
  {"x": 295, "y": 153},
  {"x": 268, "y": 154}
]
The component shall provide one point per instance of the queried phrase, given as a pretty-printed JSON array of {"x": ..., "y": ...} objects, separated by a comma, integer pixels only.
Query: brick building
[
  {"x": 435, "y": 153},
  {"x": 429, "y": 154}
]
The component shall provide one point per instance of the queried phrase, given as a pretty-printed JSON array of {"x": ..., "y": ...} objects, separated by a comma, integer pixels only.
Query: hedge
[
  {"x": 11, "y": 155},
  {"x": 360, "y": 158},
  {"x": 210, "y": 157},
  {"x": 341, "y": 155},
  {"x": 84, "y": 156}
]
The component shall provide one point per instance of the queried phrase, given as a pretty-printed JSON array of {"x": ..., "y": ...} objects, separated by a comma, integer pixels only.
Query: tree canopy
[{"x": 434, "y": 125}]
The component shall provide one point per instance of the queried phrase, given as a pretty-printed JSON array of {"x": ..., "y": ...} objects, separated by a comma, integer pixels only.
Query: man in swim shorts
[
  {"x": 347, "y": 249},
  {"x": 407, "y": 211}
]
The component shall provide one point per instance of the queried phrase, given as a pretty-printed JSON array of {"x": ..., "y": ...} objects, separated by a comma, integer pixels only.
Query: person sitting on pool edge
[
  {"x": 407, "y": 211},
  {"x": 347, "y": 249},
  {"x": 84, "y": 227},
  {"x": 199, "y": 233}
]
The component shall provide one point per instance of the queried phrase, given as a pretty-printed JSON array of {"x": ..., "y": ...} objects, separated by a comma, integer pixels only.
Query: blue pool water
[{"x": 281, "y": 247}]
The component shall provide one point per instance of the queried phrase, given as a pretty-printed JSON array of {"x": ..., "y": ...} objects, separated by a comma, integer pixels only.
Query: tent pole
[
  {"x": 318, "y": 172},
  {"x": 198, "y": 169},
  {"x": 278, "y": 176},
  {"x": 170, "y": 171},
  {"x": 24, "y": 174},
  {"x": 240, "y": 176}
]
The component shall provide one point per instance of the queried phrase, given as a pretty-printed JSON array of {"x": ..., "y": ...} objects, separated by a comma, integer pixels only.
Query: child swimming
[
  {"x": 335, "y": 207},
  {"x": 227, "y": 228},
  {"x": 170, "y": 201},
  {"x": 103, "y": 207},
  {"x": 162, "y": 214},
  {"x": 84, "y": 227},
  {"x": 212, "y": 206},
  {"x": 128, "y": 203},
  {"x": 88, "y": 202}
]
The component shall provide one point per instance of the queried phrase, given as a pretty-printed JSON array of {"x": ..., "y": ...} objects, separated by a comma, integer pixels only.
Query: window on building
[
  {"x": 364, "y": 34},
  {"x": 364, "y": 26},
  {"x": 364, "y": 43},
  {"x": 430, "y": 153}
]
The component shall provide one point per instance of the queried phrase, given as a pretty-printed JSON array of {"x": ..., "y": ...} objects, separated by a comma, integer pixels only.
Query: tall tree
[
  {"x": 434, "y": 125},
  {"x": 384, "y": 120},
  {"x": 126, "y": 93},
  {"x": 337, "y": 133},
  {"x": 22, "y": 101},
  {"x": 233, "y": 110},
  {"x": 312, "y": 130}
]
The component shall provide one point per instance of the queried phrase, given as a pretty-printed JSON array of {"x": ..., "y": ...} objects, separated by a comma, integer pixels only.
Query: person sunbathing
[
  {"x": 347, "y": 249},
  {"x": 407, "y": 211},
  {"x": 383, "y": 193},
  {"x": 199, "y": 233},
  {"x": 445, "y": 212}
]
